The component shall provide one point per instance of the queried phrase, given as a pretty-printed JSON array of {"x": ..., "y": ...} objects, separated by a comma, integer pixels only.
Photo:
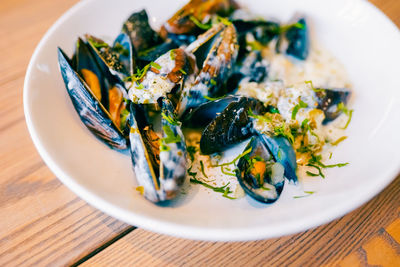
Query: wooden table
[{"x": 44, "y": 223}]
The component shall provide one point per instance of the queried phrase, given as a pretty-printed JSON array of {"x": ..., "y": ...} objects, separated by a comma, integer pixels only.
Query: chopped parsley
[
  {"x": 172, "y": 54},
  {"x": 202, "y": 169},
  {"x": 213, "y": 82},
  {"x": 155, "y": 65},
  {"x": 315, "y": 162},
  {"x": 138, "y": 75},
  {"x": 226, "y": 172},
  {"x": 285, "y": 28},
  {"x": 170, "y": 119},
  {"x": 213, "y": 98},
  {"x": 247, "y": 151},
  {"x": 346, "y": 111},
  {"x": 140, "y": 86},
  {"x": 225, "y": 190},
  {"x": 183, "y": 72},
  {"x": 170, "y": 136},
  {"x": 339, "y": 140},
  {"x": 285, "y": 131},
  {"x": 297, "y": 107},
  {"x": 309, "y": 193},
  {"x": 313, "y": 88},
  {"x": 191, "y": 151},
  {"x": 199, "y": 24}
]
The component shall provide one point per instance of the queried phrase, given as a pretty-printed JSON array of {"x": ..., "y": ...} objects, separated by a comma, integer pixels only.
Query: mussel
[
  {"x": 97, "y": 97},
  {"x": 215, "y": 69},
  {"x": 296, "y": 41},
  {"x": 184, "y": 21},
  {"x": 328, "y": 101},
  {"x": 158, "y": 159},
  {"x": 260, "y": 176},
  {"x": 230, "y": 127}
]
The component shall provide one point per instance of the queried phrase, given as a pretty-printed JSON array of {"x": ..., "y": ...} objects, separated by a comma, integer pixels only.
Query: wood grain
[{"x": 42, "y": 221}]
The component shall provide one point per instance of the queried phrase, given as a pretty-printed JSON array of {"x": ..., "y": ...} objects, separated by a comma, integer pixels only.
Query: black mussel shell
[
  {"x": 205, "y": 113},
  {"x": 155, "y": 52},
  {"x": 266, "y": 186},
  {"x": 232, "y": 126},
  {"x": 91, "y": 112},
  {"x": 283, "y": 153},
  {"x": 328, "y": 101},
  {"x": 298, "y": 40},
  {"x": 139, "y": 30}
]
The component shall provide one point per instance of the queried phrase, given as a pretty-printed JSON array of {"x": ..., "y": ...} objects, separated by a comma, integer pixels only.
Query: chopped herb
[
  {"x": 193, "y": 174},
  {"x": 183, "y": 72},
  {"x": 312, "y": 174},
  {"x": 280, "y": 154},
  {"x": 202, "y": 169},
  {"x": 155, "y": 65},
  {"x": 339, "y": 140},
  {"x": 170, "y": 136},
  {"x": 255, "y": 45},
  {"x": 192, "y": 151},
  {"x": 330, "y": 155},
  {"x": 140, "y": 86},
  {"x": 96, "y": 44},
  {"x": 164, "y": 147},
  {"x": 138, "y": 75},
  {"x": 199, "y": 24},
  {"x": 309, "y": 193},
  {"x": 346, "y": 111},
  {"x": 319, "y": 171},
  {"x": 297, "y": 107},
  {"x": 313, "y": 88},
  {"x": 224, "y": 20},
  {"x": 213, "y": 82},
  {"x": 227, "y": 173},
  {"x": 285, "y": 28},
  {"x": 170, "y": 119},
  {"x": 225, "y": 190},
  {"x": 247, "y": 151},
  {"x": 172, "y": 54},
  {"x": 273, "y": 110},
  {"x": 213, "y": 98},
  {"x": 119, "y": 48},
  {"x": 304, "y": 149},
  {"x": 284, "y": 130},
  {"x": 123, "y": 118},
  {"x": 316, "y": 159}
]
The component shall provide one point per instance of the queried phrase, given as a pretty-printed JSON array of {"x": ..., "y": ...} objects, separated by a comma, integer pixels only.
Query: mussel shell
[
  {"x": 137, "y": 27},
  {"x": 299, "y": 40},
  {"x": 162, "y": 174},
  {"x": 91, "y": 112},
  {"x": 127, "y": 59},
  {"x": 232, "y": 126},
  {"x": 249, "y": 183},
  {"x": 283, "y": 153},
  {"x": 328, "y": 100},
  {"x": 205, "y": 113}
]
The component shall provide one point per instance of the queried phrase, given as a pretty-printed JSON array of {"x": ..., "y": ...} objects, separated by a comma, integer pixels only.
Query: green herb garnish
[
  {"x": 183, "y": 72},
  {"x": 225, "y": 190},
  {"x": 227, "y": 173},
  {"x": 200, "y": 24},
  {"x": 313, "y": 88},
  {"x": 297, "y": 107},
  {"x": 213, "y": 98},
  {"x": 170, "y": 136},
  {"x": 170, "y": 119},
  {"x": 339, "y": 140},
  {"x": 191, "y": 151},
  {"x": 140, "y": 86},
  {"x": 309, "y": 193},
  {"x": 247, "y": 151},
  {"x": 348, "y": 112},
  {"x": 155, "y": 65},
  {"x": 202, "y": 169},
  {"x": 172, "y": 54}
]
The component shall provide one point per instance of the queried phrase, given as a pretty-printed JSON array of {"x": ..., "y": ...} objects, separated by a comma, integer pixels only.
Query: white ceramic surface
[{"x": 355, "y": 31}]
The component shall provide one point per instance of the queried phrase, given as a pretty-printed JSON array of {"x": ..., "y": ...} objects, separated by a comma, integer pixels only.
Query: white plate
[{"x": 355, "y": 31}]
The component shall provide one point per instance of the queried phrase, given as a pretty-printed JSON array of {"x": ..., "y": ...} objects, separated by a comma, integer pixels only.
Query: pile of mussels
[{"x": 138, "y": 92}]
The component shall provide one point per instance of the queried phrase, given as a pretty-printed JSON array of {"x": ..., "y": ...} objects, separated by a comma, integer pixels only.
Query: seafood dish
[{"x": 218, "y": 97}]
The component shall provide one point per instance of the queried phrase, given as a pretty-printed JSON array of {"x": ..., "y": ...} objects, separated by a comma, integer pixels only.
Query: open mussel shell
[
  {"x": 142, "y": 36},
  {"x": 116, "y": 60},
  {"x": 215, "y": 68},
  {"x": 230, "y": 127},
  {"x": 155, "y": 52},
  {"x": 260, "y": 176},
  {"x": 92, "y": 113},
  {"x": 283, "y": 153},
  {"x": 182, "y": 22},
  {"x": 159, "y": 163},
  {"x": 328, "y": 101},
  {"x": 296, "y": 40}
]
